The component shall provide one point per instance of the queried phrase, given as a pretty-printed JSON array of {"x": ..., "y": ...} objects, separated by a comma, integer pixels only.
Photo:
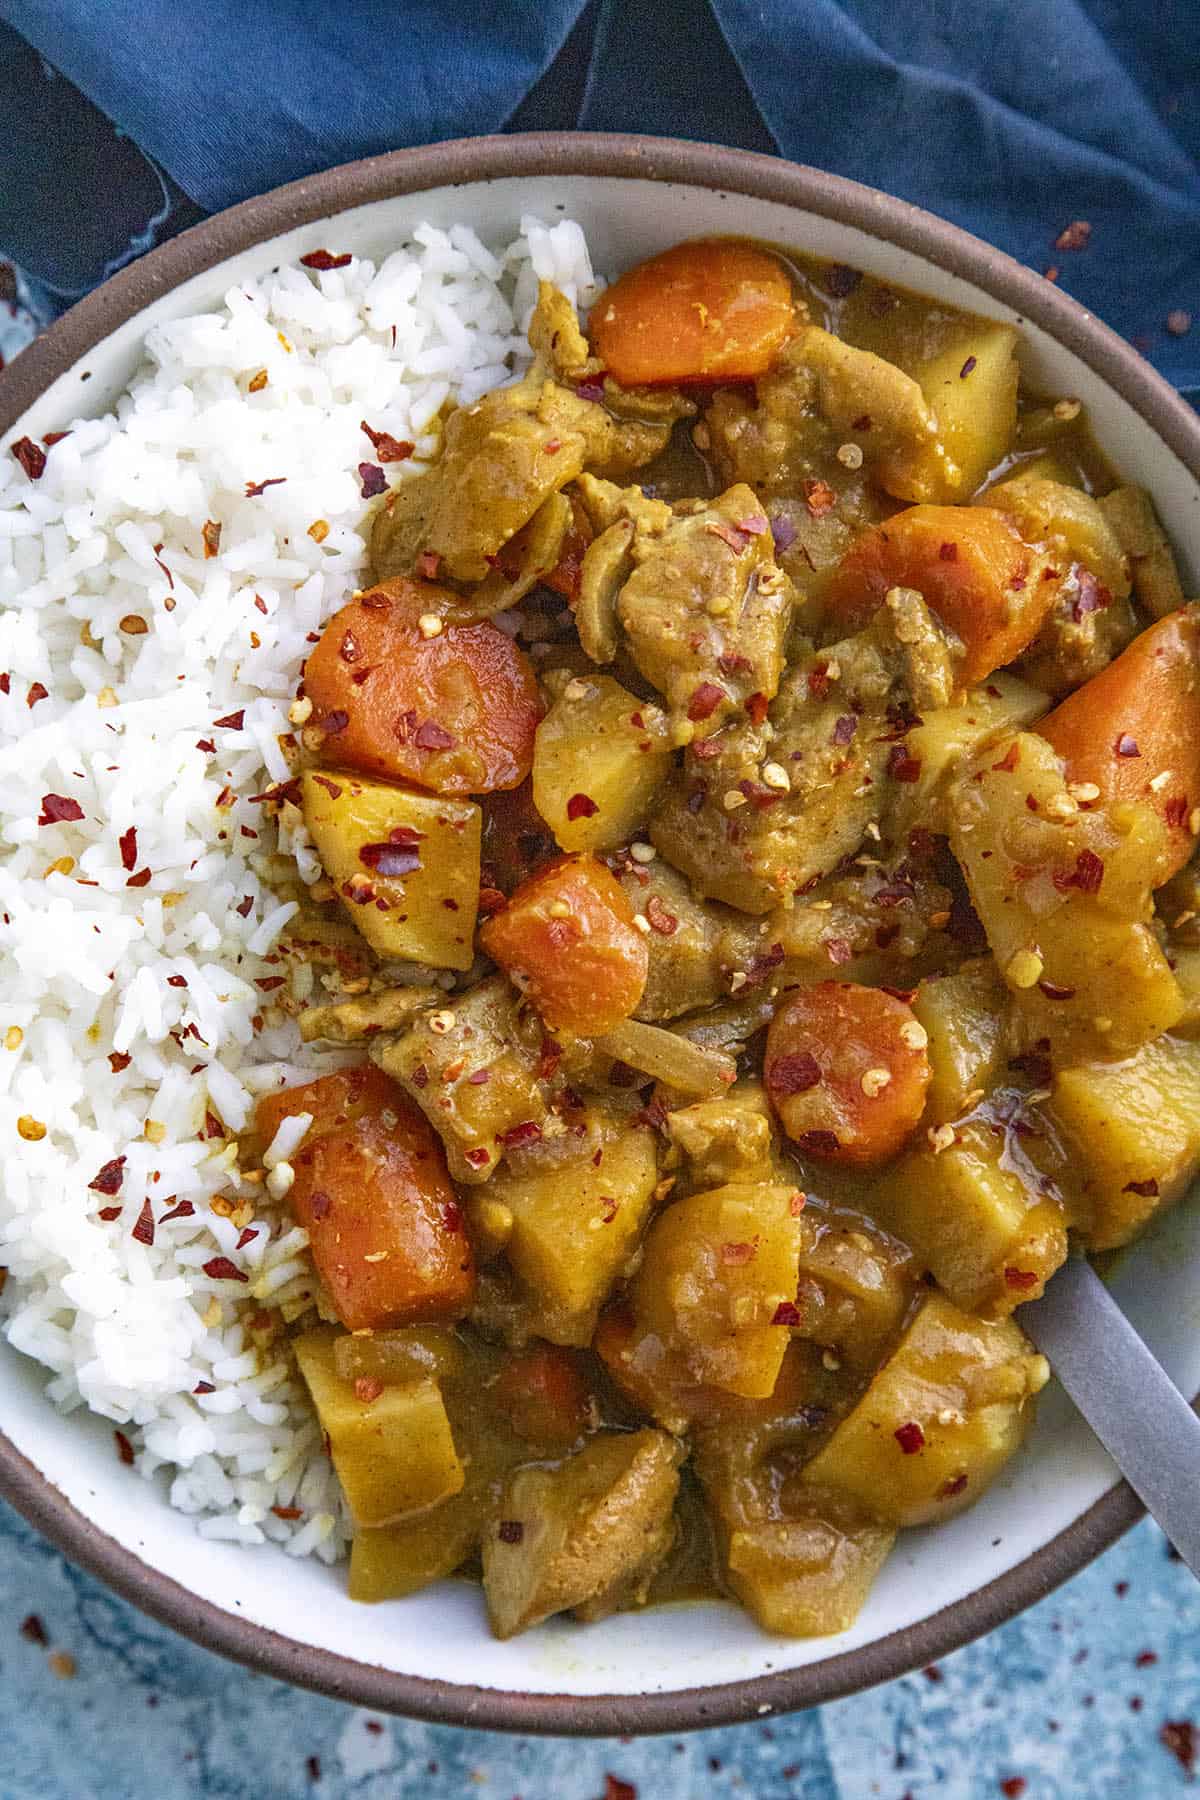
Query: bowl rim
[{"x": 633, "y": 158}]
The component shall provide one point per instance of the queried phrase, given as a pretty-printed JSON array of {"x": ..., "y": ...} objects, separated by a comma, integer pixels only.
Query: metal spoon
[{"x": 1126, "y": 1396}]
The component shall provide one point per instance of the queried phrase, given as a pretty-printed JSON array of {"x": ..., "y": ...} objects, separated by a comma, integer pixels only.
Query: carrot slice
[
  {"x": 972, "y": 567},
  {"x": 846, "y": 1070},
  {"x": 568, "y": 939},
  {"x": 1137, "y": 722},
  {"x": 700, "y": 312},
  {"x": 371, "y": 1189},
  {"x": 455, "y": 712}
]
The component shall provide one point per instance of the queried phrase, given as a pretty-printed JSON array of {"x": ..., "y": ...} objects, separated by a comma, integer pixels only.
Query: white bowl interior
[{"x": 441, "y": 1634}]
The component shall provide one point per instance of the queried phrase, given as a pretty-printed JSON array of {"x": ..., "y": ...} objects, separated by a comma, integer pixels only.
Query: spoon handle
[{"x": 1126, "y": 1396}]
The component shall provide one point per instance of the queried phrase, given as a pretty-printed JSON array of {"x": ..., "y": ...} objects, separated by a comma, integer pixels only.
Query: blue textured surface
[{"x": 1056, "y": 1698}]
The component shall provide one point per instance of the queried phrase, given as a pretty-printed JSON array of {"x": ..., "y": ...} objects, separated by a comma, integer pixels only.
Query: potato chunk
[
  {"x": 1133, "y": 1130},
  {"x": 392, "y": 1447},
  {"x": 587, "y": 1535},
  {"x": 599, "y": 759},
  {"x": 971, "y": 387},
  {"x": 807, "y": 1576},
  {"x": 406, "y": 865},
  {"x": 989, "y": 1239},
  {"x": 938, "y": 1422},
  {"x": 576, "y": 1220},
  {"x": 964, "y": 1016}
]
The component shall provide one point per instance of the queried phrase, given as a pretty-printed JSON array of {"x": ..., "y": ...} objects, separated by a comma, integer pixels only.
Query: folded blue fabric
[{"x": 1011, "y": 117}]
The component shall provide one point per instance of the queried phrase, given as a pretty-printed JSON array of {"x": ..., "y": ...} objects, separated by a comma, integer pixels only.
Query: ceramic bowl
[{"x": 1060, "y": 1501}]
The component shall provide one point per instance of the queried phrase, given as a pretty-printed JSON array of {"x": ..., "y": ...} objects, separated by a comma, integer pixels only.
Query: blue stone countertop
[{"x": 1068, "y": 1702}]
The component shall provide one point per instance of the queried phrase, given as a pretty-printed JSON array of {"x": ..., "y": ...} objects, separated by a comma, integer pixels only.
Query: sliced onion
[{"x": 670, "y": 1059}]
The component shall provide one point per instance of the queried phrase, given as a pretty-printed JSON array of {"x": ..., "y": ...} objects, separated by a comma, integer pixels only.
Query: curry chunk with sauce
[{"x": 758, "y": 794}]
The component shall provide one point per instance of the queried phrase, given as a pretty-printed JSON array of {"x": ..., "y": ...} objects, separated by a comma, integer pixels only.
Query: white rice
[{"x": 165, "y": 977}]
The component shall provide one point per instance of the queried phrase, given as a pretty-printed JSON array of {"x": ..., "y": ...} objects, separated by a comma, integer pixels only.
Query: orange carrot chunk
[
  {"x": 846, "y": 1070},
  {"x": 543, "y": 1394},
  {"x": 568, "y": 939},
  {"x": 701, "y": 312},
  {"x": 1137, "y": 722},
  {"x": 455, "y": 712},
  {"x": 371, "y": 1189},
  {"x": 971, "y": 565}
]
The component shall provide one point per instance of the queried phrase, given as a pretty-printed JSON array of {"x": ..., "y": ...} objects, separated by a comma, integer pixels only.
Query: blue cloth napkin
[{"x": 1011, "y": 117}]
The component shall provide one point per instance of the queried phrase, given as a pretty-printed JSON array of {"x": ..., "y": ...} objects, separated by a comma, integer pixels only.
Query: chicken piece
[
  {"x": 728, "y": 1139},
  {"x": 694, "y": 945},
  {"x": 823, "y": 394},
  {"x": 706, "y": 611},
  {"x": 588, "y": 1535},
  {"x": 607, "y": 504},
  {"x": 348, "y": 1021},
  {"x": 557, "y": 340},
  {"x": 756, "y": 819},
  {"x": 439, "y": 1060}
]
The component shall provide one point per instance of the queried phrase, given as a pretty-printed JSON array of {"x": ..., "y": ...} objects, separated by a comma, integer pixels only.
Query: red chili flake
[
  {"x": 333, "y": 724},
  {"x": 1145, "y": 1659},
  {"x": 390, "y": 859},
  {"x": 616, "y": 1789},
  {"x": 124, "y": 1448},
  {"x": 367, "y": 1388},
  {"x": 233, "y": 721},
  {"x": 951, "y": 1489},
  {"x": 1175, "y": 812},
  {"x": 33, "y": 1629},
  {"x": 290, "y": 1512},
  {"x": 737, "y": 1255},
  {"x": 818, "y": 680},
  {"x": 387, "y": 448},
  {"x": 528, "y": 1132},
  {"x": 910, "y": 1437},
  {"x": 1126, "y": 746},
  {"x": 478, "y": 1159},
  {"x": 819, "y": 497},
  {"x": 705, "y": 701},
  {"x": 373, "y": 480},
  {"x": 1148, "y": 1189},
  {"x": 118, "y": 1061},
  {"x": 255, "y": 488},
  {"x": 756, "y": 708},
  {"x": 653, "y": 1115},
  {"x": 246, "y": 1236},
  {"x": 185, "y": 1210},
  {"x": 794, "y": 1074},
  {"x": 140, "y": 880},
  {"x": 207, "y": 745},
  {"x": 732, "y": 663},
  {"x": 210, "y": 531},
  {"x": 1092, "y": 597},
  {"x": 268, "y": 983},
  {"x": 213, "y": 1127},
  {"x": 786, "y": 1313},
  {"x": 429, "y": 735},
  {"x": 58, "y": 809},
  {"x": 491, "y": 900},
  {"x": 1020, "y": 1278},
  {"x": 838, "y": 950},
  {"x": 762, "y": 964},
  {"x": 659, "y": 919},
  {"x": 967, "y": 367},
  {"x": 420, "y": 1076},
  {"x": 931, "y": 1672},
  {"x": 219, "y": 1268},
  {"x": 844, "y": 728},
  {"x": 581, "y": 806},
  {"x": 1179, "y": 1737},
  {"x": 948, "y": 553},
  {"x": 143, "y": 1231},
  {"x": 320, "y": 1204},
  {"x": 510, "y": 1531},
  {"x": 324, "y": 259},
  {"x": 109, "y": 1180},
  {"x": 1087, "y": 874},
  {"x": 127, "y": 842},
  {"x": 31, "y": 457},
  {"x": 1013, "y": 1786},
  {"x": 332, "y": 788},
  {"x": 733, "y": 535},
  {"x": 819, "y": 1143},
  {"x": 109, "y": 1213},
  {"x": 712, "y": 746},
  {"x": 1009, "y": 760},
  {"x": 428, "y": 564},
  {"x": 5, "y": 683},
  {"x": 1075, "y": 236},
  {"x": 901, "y": 766}
]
